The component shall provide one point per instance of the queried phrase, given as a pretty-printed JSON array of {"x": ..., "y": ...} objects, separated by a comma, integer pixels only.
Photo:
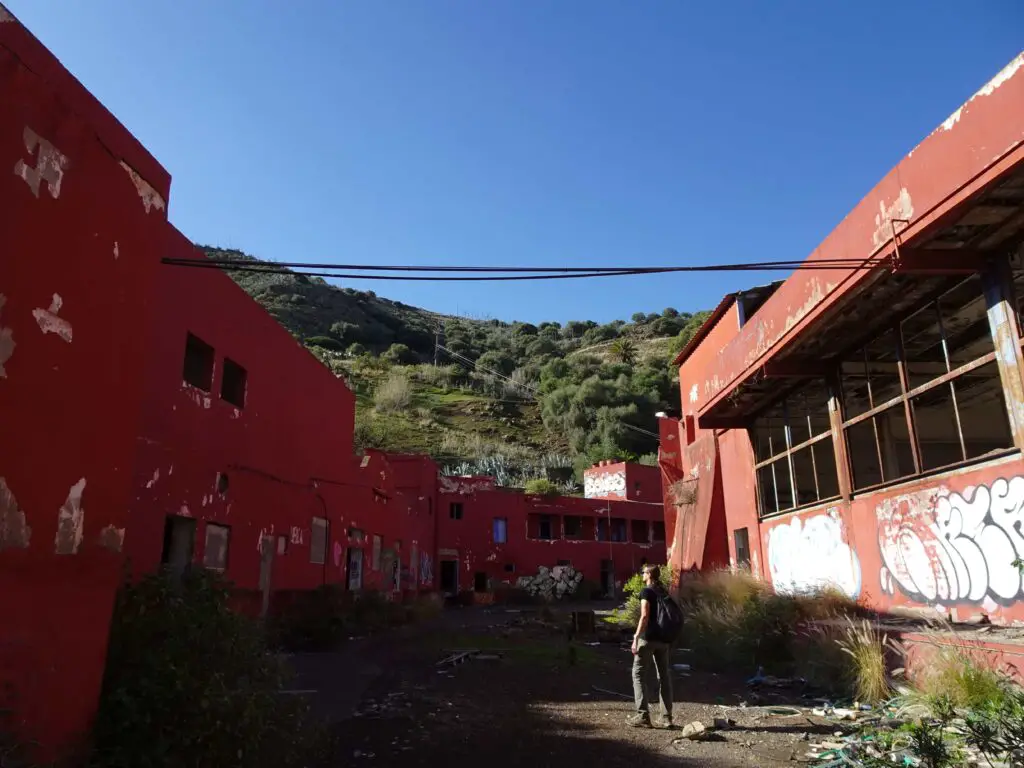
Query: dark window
[
  {"x": 951, "y": 421},
  {"x": 602, "y": 529},
  {"x": 479, "y": 582},
  {"x": 573, "y": 526},
  {"x": 618, "y": 529},
  {"x": 658, "y": 531},
  {"x": 215, "y": 550},
  {"x": 510, "y": 567},
  {"x": 455, "y": 510},
  {"x": 640, "y": 533},
  {"x": 318, "y": 541},
  {"x": 793, "y": 449},
  {"x": 198, "y": 369},
  {"x": 179, "y": 543},
  {"x": 545, "y": 528},
  {"x": 232, "y": 383},
  {"x": 742, "y": 540}
]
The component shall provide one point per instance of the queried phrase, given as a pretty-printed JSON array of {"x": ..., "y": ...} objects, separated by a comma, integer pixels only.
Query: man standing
[{"x": 651, "y": 643}]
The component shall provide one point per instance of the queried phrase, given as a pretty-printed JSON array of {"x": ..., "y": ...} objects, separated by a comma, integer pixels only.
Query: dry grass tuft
[
  {"x": 394, "y": 394},
  {"x": 868, "y": 676}
]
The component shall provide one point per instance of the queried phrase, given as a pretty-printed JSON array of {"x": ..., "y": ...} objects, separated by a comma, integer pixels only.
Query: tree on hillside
[
  {"x": 624, "y": 350},
  {"x": 399, "y": 354}
]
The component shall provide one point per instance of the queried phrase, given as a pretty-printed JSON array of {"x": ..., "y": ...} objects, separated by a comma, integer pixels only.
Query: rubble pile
[{"x": 551, "y": 583}]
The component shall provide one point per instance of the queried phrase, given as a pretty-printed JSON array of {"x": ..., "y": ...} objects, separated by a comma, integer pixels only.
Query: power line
[{"x": 493, "y": 274}]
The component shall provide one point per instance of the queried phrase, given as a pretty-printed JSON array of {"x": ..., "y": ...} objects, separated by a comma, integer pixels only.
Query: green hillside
[{"x": 514, "y": 399}]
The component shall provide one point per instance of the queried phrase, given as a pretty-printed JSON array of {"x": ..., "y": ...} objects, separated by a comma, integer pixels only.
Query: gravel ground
[{"x": 535, "y": 703}]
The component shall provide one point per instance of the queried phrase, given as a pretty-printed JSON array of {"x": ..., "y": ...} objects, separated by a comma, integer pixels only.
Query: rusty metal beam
[
  {"x": 795, "y": 369},
  {"x": 939, "y": 261},
  {"x": 997, "y": 284},
  {"x": 835, "y": 417}
]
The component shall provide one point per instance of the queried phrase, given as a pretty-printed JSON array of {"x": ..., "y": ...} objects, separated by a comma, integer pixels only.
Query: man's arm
[{"x": 641, "y": 626}]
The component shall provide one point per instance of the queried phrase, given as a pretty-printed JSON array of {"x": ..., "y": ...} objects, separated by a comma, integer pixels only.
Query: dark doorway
[
  {"x": 480, "y": 582},
  {"x": 742, "y": 540},
  {"x": 179, "y": 544},
  {"x": 449, "y": 576}
]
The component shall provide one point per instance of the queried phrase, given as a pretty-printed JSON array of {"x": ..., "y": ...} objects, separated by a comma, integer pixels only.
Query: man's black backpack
[{"x": 668, "y": 619}]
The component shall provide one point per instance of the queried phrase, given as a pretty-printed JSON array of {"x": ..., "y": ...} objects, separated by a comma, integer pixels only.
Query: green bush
[
  {"x": 399, "y": 354},
  {"x": 541, "y": 487},
  {"x": 324, "y": 342},
  {"x": 190, "y": 682}
]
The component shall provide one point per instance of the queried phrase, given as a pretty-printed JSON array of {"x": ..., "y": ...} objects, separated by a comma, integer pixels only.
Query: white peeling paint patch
[
  {"x": 7, "y": 343},
  {"x": 901, "y": 208},
  {"x": 952, "y": 120},
  {"x": 185, "y": 511},
  {"x": 14, "y": 530},
  {"x": 150, "y": 197},
  {"x": 70, "y": 520},
  {"x": 170, "y": 471},
  {"x": 112, "y": 538},
  {"x": 49, "y": 168},
  {"x": 49, "y": 322},
  {"x": 117, "y": 252},
  {"x": 235, "y": 413},
  {"x": 156, "y": 476},
  {"x": 196, "y": 396},
  {"x": 1004, "y": 75},
  {"x": 693, "y": 394}
]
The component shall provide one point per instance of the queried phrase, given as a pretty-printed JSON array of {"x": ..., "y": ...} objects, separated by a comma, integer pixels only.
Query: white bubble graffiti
[
  {"x": 810, "y": 554},
  {"x": 946, "y": 548},
  {"x": 607, "y": 484}
]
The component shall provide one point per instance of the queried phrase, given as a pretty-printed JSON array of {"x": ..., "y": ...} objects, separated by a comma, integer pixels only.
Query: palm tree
[{"x": 624, "y": 350}]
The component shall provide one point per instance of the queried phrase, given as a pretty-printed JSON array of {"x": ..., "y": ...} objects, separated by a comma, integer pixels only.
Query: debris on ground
[{"x": 694, "y": 731}]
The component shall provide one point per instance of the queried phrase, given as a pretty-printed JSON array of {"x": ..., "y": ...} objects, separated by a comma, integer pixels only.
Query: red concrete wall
[
  {"x": 945, "y": 544},
  {"x": 83, "y": 222},
  {"x": 624, "y": 481},
  {"x": 295, "y": 427},
  {"x": 470, "y": 540}
]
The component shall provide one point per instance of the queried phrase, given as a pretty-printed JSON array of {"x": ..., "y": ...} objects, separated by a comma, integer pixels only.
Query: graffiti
[
  {"x": 466, "y": 486},
  {"x": 810, "y": 554},
  {"x": 426, "y": 570},
  {"x": 942, "y": 547},
  {"x": 296, "y": 535},
  {"x": 605, "y": 484}
]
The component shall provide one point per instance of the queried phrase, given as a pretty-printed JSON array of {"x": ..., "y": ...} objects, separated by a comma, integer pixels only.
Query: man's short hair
[{"x": 655, "y": 572}]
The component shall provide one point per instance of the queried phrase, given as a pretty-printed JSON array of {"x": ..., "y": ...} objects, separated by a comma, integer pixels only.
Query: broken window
[
  {"x": 318, "y": 541},
  {"x": 215, "y": 550},
  {"x": 455, "y": 510},
  {"x": 639, "y": 533},
  {"x": 198, "y": 368},
  {"x": 500, "y": 530},
  {"x": 545, "y": 528},
  {"x": 618, "y": 529},
  {"x": 943, "y": 414},
  {"x": 573, "y": 527},
  {"x": 795, "y": 458},
  {"x": 658, "y": 532},
  {"x": 602, "y": 529},
  {"x": 741, "y": 538},
  {"x": 232, "y": 383}
]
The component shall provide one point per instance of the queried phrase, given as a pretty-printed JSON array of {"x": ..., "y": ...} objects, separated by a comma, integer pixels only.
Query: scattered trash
[
  {"x": 724, "y": 723},
  {"x": 694, "y": 731},
  {"x": 784, "y": 712},
  {"x": 593, "y": 644},
  {"x": 769, "y": 681}
]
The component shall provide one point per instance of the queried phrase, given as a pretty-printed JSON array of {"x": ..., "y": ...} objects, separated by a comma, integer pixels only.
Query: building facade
[{"x": 861, "y": 423}]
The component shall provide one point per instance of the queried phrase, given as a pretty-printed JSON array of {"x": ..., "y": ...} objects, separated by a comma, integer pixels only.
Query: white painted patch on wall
[
  {"x": 117, "y": 252},
  {"x": 185, "y": 511},
  {"x": 70, "y": 521},
  {"x": 605, "y": 484},
  {"x": 14, "y": 530},
  {"x": 901, "y": 208},
  {"x": 693, "y": 394},
  {"x": 156, "y": 476},
  {"x": 112, "y": 538},
  {"x": 151, "y": 199},
  {"x": 811, "y": 554},
  {"x": 49, "y": 322},
  {"x": 49, "y": 168},
  {"x": 7, "y": 343},
  {"x": 952, "y": 120},
  {"x": 1005, "y": 74}
]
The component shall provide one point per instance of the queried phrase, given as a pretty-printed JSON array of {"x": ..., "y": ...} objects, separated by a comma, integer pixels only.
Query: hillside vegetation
[{"x": 513, "y": 399}]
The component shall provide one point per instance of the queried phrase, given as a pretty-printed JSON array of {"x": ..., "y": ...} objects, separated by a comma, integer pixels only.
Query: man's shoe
[
  {"x": 639, "y": 721},
  {"x": 666, "y": 722}
]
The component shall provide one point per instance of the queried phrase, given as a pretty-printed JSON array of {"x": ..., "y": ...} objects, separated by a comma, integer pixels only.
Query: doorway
[
  {"x": 480, "y": 582},
  {"x": 608, "y": 578},
  {"x": 354, "y": 570},
  {"x": 179, "y": 544},
  {"x": 267, "y": 546},
  {"x": 450, "y": 577}
]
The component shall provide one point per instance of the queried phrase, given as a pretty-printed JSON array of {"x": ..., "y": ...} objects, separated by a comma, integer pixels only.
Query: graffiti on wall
[
  {"x": 466, "y": 486},
  {"x": 606, "y": 484},
  {"x": 942, "y": 547},
  {"x": 426, "y": 570},
  {"x": 812, "y": 553}
]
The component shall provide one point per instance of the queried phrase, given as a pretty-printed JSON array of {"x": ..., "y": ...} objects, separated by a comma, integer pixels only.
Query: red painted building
[
  {"x": 623, "y": 481},
  {"x": 488, "y": 537},
  {"x": 861, "y": 423}
]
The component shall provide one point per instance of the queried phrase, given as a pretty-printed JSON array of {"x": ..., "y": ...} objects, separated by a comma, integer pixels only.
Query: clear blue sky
[{"x": 528, "y": 132}]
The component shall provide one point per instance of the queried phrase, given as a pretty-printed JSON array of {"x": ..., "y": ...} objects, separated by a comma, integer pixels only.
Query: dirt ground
[{"x": 530, "y": 701}]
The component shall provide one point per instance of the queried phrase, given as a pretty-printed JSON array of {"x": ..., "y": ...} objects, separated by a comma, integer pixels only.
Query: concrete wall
[{"x": 622, "y": 480}]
